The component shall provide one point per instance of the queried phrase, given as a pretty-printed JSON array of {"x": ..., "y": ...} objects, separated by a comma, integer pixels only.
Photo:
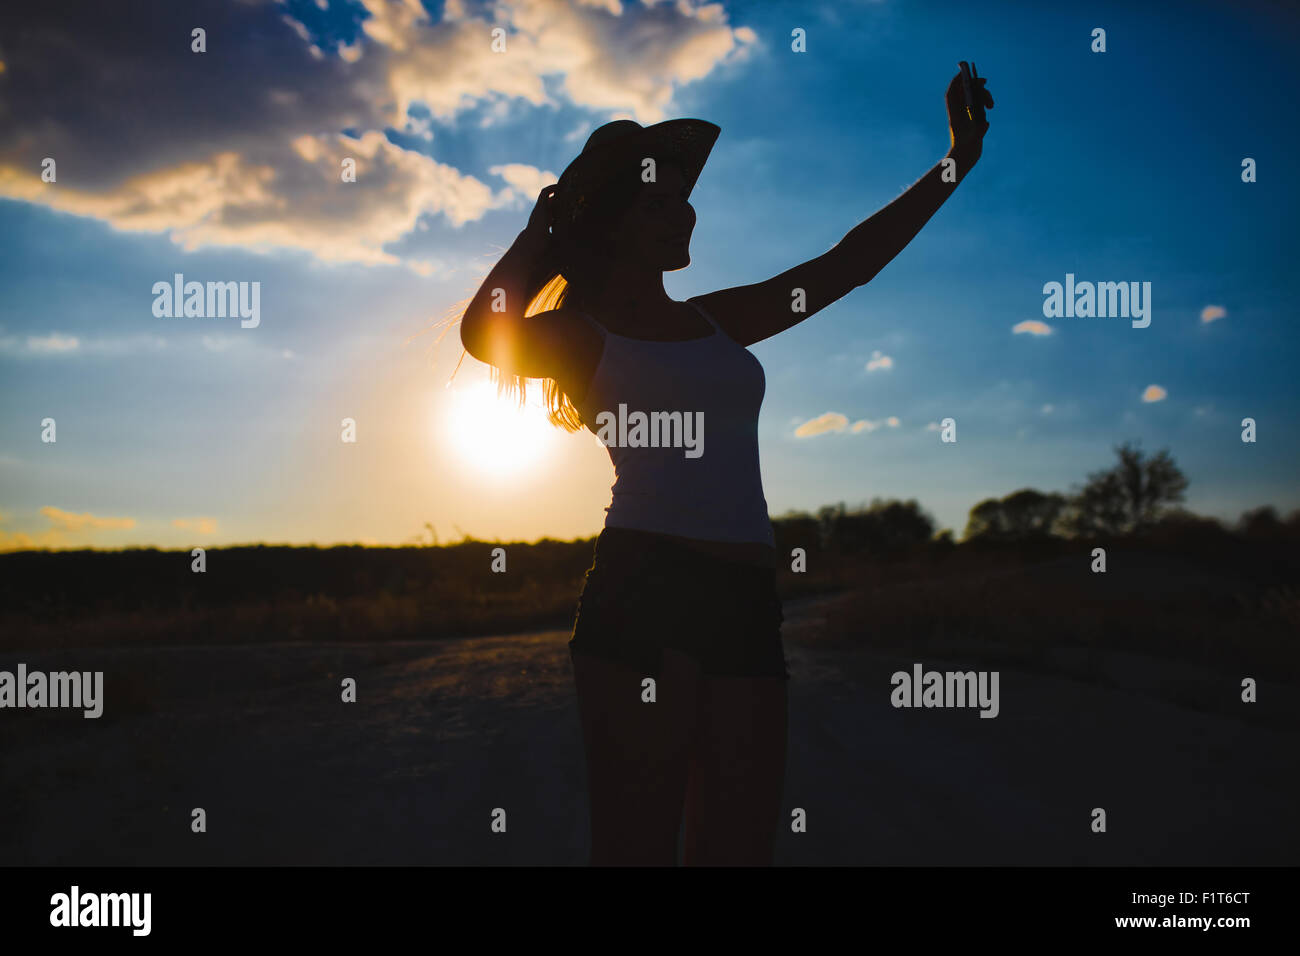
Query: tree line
[{"x": 1138, "y": 494}]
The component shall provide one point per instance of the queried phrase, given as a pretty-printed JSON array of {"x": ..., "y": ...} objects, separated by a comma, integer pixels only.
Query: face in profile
[{"x": 656, "y": 229}]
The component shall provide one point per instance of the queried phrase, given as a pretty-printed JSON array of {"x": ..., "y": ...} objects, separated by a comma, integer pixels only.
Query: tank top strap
[
  {"x": 699, "y": 308},
  {"x": 592, "y": 322}
]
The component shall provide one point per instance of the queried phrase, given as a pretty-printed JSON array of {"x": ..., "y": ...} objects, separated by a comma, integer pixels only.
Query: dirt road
[{"x": 445, "y": 732}]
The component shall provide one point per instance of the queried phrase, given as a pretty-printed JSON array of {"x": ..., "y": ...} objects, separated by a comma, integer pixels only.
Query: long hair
[
  {"x": 547, "y": 294},
  {"x": 573, "y": 268}
]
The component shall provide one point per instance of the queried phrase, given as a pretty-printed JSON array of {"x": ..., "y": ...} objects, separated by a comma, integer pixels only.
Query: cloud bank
[{"x": 243, "y": 144}]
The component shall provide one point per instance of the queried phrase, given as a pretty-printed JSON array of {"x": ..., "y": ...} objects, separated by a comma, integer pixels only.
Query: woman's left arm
[{"x": 755, "y": 312}]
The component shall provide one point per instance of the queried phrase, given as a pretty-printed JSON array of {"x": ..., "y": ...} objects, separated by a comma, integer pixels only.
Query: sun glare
[{"x": 493, "y": 434}]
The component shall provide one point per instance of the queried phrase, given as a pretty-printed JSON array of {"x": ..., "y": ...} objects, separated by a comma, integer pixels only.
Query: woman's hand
[
  {"x": 539, "y": 223},
  {"x": 967, "y": 128}
]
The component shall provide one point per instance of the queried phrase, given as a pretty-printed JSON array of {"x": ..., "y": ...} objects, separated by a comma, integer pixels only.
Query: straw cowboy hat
[{"x": 609, "y": 149}]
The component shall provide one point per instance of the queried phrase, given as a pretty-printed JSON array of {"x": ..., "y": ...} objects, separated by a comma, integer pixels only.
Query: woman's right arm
[
  {"x": 492, "y": 327},
  {"x": 558, "y": 344}
]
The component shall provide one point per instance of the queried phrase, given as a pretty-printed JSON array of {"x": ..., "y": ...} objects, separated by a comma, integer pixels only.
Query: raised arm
[
  {"x": 493, "y": 326},
  {"x": 755, "y": 312}
]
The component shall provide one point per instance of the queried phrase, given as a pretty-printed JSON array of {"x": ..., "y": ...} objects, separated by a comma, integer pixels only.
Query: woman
[{"x": 676, "y": 648}]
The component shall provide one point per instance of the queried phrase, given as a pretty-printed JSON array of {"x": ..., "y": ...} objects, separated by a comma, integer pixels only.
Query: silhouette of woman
[{"x": 682, "y": 585}]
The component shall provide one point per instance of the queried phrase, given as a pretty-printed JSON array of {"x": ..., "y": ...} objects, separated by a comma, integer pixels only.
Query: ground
[{"x": 446, "y": 731}]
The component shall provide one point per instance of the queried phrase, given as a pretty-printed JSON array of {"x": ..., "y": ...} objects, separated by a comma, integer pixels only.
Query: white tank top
[{"x": 694, "y": 474}]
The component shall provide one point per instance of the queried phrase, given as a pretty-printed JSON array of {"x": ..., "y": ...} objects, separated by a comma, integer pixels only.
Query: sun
[{"x": 493, "y": 435}]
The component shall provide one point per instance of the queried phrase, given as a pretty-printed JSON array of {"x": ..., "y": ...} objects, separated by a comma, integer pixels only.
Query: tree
[
  {"x": 886, "y": 527},
  {"x": 1260, "y": 522},
  {"x": 828, "y": 519},
  {"x": 797, "y": 529},
  {"x": 1026, "y": 513},
  {"x": 985, "y": 520},
  {"x": 1129, "y": 497},
  {"x": 1031, "y": 513}
]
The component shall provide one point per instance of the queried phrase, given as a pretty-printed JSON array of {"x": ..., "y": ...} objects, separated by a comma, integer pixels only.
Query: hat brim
[{"x": 686, "y": 142}]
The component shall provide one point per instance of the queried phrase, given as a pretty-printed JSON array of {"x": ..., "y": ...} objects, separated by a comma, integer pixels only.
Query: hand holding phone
[
  {"x": 966, "y": 89},
  {"x": 967, "y": 99}
]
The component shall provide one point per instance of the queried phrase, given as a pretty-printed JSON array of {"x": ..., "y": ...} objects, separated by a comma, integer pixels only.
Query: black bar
[{"x": 333, "y": 905}]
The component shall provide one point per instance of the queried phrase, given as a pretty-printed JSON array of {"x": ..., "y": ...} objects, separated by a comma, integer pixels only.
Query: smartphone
[{"x": 968, "y": 89}]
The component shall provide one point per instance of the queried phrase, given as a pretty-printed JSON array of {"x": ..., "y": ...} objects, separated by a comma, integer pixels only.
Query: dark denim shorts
[{"x": 645, "y": 593}]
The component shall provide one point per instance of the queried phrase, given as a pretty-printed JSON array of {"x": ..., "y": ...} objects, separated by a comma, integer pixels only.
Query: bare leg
[
  {"x": 737, "y": 773},
  {"x": 637, "y": 757}
]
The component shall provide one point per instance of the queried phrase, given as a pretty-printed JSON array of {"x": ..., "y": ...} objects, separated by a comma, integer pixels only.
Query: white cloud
[
  {"x": 527, "y": 181},
  {"x": 835, "y": 422},
  {"x": 201, "y": 525},
  {"x": 52, "y": 343},
  {"x": 421, "y": 126},
  {"x": 251, "y": 157},
  {"x": 58, "y": 345},
  {"x": 62, "y": 520},
  {"x": 303, "y": 203},
  {"x": 878, "y": 361},
  {"x": 1032, "y": 327},
  {"x": 1154, "y": 393},
  {"x": 61, "y": 524},
  {"x": 866, "y": 425},
  {"x": 826, "y": 422},
  {"x": 605, "y": 55}
]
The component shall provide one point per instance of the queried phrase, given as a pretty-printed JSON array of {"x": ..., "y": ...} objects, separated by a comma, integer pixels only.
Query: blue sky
[{"x": 1115, "y": 166}]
